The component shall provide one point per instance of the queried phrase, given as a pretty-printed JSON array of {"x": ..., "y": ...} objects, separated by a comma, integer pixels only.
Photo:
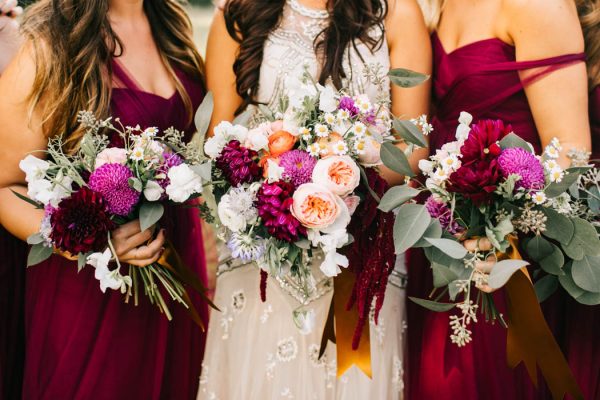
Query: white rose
[
  {"x": 34, "y": 168},
  {"x": 153, "y": 191},
  {"x": 112, "y": 155},
  {"x": 214, "y": 146},
  {"x": 183, "y": 183},
  {"x": 327, "y": 100},
  {"x": 465, "y": 118},
  {"x": 257, "y": 139}
]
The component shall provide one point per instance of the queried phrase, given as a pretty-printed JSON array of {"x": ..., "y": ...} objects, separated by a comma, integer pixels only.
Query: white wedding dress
[{"x": 254, "y": 350}]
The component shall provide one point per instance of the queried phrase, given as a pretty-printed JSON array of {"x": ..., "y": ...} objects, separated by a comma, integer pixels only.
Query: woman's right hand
[
  {"x": 484, "y": 267},
  {"x": 132, "y": 247}
]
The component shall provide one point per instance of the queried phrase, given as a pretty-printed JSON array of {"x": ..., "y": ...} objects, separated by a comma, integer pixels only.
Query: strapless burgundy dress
[
  {"x": 83, "y": 344},
  {"x": 481, "y": 78}
]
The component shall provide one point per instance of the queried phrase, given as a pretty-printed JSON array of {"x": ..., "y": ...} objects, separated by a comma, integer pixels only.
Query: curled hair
[
  {"x": 250, "y": 22},
  {"x": 73, "y": 45},
  {"x": 589, "y": 15}
]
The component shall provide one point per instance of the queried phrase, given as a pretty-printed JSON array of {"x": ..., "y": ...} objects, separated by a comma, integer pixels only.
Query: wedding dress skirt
[{"x": 256, "y": 351}]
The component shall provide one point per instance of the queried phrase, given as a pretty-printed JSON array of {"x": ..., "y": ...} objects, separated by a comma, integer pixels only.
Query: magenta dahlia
[
  {"x": 297, "y": 166},
  {"x": 347, "y": 103},
  {"x": 273, "y": 202},
  {"x": 81, "y": 223},
  {"x": 112, "y": 182},
  {"x": 238, "y": 163},
  {"x": 440, "y": 211},
  {"x": 521, "y": 162}
]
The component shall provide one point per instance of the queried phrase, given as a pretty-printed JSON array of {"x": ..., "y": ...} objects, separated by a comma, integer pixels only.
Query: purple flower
[
  {"x": 298, "y": 166},
  {"x": 347, "y": 103},
  {"x": 442, "y": 213},
  {"x": 170, "y": 160},
  {"x": 520, "y": 162},
  {"x": 238, "y": 163},
  {"x": 112, "y": 182}
]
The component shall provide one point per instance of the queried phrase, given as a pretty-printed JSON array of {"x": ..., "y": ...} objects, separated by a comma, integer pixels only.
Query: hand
[
  {"x": 9, "y": 8},
  {"x": 483, "y": 267},
  {"x": 132, "y": 247}
]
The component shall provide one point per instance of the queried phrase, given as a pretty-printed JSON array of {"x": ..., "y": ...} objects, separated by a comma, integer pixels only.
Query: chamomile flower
[
  {"x": 321, "y": 130},
  {"x": 363, "y": 104},
  {"x": 551, "y": 165},
  {"x": 343, "y": 115},
  {"x": 360, "y": 146},
  {"x": 551, "y": 151},
  {"x": 314, "y": 149},
  {"x": 340, "y": 148},
  {"x": 422, "y": 120},
  {"x": 450, "y": 163},
  {"x": 305, "y": 133},
  {"x": 330, "y": 118},
  {"x": 150, "y": 132},
  {"x": 323, "y": 149},
  {"x": 427, "y": 129},
  {"x": 539, "y": 198},
  {"x": 440, "y": 175},
  {"x": 359, "y": 129},
  {"x": 556, "y": 175},
  {"x": 556, "y": 143},
  {"x": 137, "y": 154}
]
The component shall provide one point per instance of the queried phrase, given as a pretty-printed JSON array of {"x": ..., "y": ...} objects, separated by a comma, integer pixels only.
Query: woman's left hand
[{"x": 484, "y": 267}]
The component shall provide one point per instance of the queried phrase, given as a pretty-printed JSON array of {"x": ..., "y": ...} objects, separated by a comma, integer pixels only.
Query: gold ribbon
[
  {"x": 340, "y": 326},
  {"x": 529, "y": 338},
  {"x": 171, "y": 260}
]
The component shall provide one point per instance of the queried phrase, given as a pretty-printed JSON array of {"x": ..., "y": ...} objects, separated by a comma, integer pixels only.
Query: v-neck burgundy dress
[
  {"x": 481, "y": 78},
  {"x": 84, "y": 344}
]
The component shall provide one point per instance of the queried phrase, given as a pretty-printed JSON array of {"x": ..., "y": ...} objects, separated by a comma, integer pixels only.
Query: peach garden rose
[
  {"x": 340, "y": 174},
  {"x": 316, "y": 207}
]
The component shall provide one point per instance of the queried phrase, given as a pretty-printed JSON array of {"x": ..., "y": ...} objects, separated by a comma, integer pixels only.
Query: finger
[
  {"x": 481, "y": 244},
  {"x": 127, "y": 230},
  {"x": 491, "y": 257},
  {"x": 484, "y": 266},
  {"x": 146, "y": 262},
  {"x": 145, "y": 252},
  {"x": 485, "y": 288},
  {"x": 139, "y": 239}
]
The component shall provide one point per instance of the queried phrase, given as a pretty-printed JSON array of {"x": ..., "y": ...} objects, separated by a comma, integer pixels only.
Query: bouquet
[
  {"x": 287, "y": 189},
  {"x": 86, "y": 195},
  {"x": 490, "y": 183}
]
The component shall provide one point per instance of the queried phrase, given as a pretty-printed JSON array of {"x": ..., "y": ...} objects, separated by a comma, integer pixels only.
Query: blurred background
[{"x": 200, "y": 13}]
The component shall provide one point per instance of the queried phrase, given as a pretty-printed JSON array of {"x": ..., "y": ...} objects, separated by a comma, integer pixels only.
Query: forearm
[{"x": 17, "y": 216}]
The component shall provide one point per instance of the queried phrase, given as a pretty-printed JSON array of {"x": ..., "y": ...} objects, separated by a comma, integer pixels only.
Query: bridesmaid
[
  {"x": 520, "y": 61},
  {"x": 13, "y": 252},
  {"x": 134, "y": 60}
]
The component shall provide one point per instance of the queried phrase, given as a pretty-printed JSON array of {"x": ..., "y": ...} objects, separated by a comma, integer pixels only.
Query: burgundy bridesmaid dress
[
  {"x": 13, "y": 258},
  {"x": 484, "y": 79},
  {"x": 83, "y": 344}
]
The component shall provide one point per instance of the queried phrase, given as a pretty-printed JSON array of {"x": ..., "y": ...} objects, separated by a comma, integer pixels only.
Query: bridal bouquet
[
  {"x": 490, "y": 183},
  {"x": 86, "y": 195}
]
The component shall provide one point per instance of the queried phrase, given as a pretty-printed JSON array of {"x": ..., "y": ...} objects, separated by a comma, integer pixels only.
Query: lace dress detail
[{"x": 255, "y": 350}]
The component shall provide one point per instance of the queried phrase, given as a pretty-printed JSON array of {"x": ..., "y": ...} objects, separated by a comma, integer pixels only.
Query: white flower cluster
[
  {"x": 40, "y": 187},
  {"x": 236, "y": 209}
]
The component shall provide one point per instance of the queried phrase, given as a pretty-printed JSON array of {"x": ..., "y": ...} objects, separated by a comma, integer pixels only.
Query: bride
[{"x": 254, "y": 349}]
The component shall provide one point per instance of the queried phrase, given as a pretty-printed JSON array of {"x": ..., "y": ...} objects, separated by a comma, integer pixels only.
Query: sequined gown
[{"x": 254, "y": 349}]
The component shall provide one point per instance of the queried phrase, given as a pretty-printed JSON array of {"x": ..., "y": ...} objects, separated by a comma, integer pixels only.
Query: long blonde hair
[
  {"x": 432, "y": 11},
  {"x": 73, "y": 45},
  {"x": 589, "y": 15}
]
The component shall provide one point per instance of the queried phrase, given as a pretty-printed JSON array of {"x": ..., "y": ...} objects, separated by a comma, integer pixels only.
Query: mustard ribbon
[
  {"x": 529, "y": 338},
  {"x": 340, "y": 325}
]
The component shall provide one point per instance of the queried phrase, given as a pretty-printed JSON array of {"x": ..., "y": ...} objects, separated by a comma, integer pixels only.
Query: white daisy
[
  {"x": 314, "y": 149},
  {"x": 539, "y": 198},
  {"x": 359, "y": 129},
  {"x": 321, "y": 130},
  {"x": 340, "y": 148},
  {"x": 359, "y": 146},
  {"x": 343, "y": 115},
  {"x": 137, "y": 154},
  {"x": 551, "y": 151},
  {"x": 330, "y": 118},
  {"x": 556, "y": 175}
]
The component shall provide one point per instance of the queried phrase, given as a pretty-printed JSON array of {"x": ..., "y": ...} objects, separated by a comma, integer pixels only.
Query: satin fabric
[{"x": 83, "y": 344}]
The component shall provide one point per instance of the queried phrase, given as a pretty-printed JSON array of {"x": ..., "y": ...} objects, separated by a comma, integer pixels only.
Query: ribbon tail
[
  {"x": 328, "y": 331},
  {"x": 529, "y": 338}
]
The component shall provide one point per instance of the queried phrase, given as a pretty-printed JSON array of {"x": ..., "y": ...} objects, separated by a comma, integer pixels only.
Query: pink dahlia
[
  {"x": 273, "y": 202},
  {"x": 521, "y": 162},
  {"x": 238, "y": 163},
  {"x": 297, "y": 166},
  {"x": 442, "y": 213},
  {"x": 112, "y": 182}
]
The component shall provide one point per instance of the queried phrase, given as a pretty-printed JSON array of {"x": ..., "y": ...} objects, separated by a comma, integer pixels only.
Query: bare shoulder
[
  {"x": 552, "y": 25},
  {"x": 404, "y": 18},
  {"x": 17, "y": 80}
]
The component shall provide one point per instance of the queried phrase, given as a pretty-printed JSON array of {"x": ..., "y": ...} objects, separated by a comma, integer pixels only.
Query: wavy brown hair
[
  {"x": 250, "y": 22},
  {"x": 589, "y": 15},
  {"x": 73, "y": 45}
]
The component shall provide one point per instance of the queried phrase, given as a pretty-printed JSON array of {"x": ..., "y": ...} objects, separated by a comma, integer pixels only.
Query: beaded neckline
[{"x": 306, "y": 11}]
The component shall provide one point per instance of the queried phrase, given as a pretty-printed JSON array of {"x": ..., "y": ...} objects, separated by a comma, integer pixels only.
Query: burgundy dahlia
[
  {"x": 482, "y": 143},
  {"x": 521, "y": 162},
  {"x": 440, "y": 211},
  {"x": 81, "y": 223},
  {"x": 238, "y": 163},
  {"x": 476, "y": 181},
  {"x": 112, "y": 182},
  {"x": 273, "y": 202},
  {"x": 298, "y": 166}
]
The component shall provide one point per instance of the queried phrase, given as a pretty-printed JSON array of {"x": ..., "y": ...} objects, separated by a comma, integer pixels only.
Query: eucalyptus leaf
[
  {"x": 584, "y": 241},
  {"x": 586, "y": 273},
  {"x": 433, "y": 305},
  {"x": 243, "y": 118},
  {"x": 554, "y": 262},
  {"x": 266, "y": 111},
  {"x": 593, "y": 200},
  {"x": 150, "y": 214},
  {"x": 557, "y": 188},
  {"x": 435, "y": 255},
  {"x": 38, "y": 253},
  {"x": 545, "y": 287},
  {"x": 451, "y": 247},
  {"x": 202, "y": 120},
  {"x": 567, "y": 282},
  {"x": 410, "y": 132},
  {"x": 411, "y": 222},
  {"x": 538, "y": 248},
  {"x": 442, "y": 276},
  {"x": 453, "y": 289},
  {"x": 203, "y": 170},
  {"x": 36, "y": 238},
  {"x": 135, "y": 184},
  {"x": 396, "y": 196},
  {"x": 513, "y": 140},
  {"x": 81, "y": 261},
  {"x": 406, "y": 78},
  {"x": 589, "y": 299},
  {"x": 558, "y": 227},
  {"x": 503, "y": 270},
  {"x": 395, "y": 159},
  {"x": 434, "y": 231}
]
